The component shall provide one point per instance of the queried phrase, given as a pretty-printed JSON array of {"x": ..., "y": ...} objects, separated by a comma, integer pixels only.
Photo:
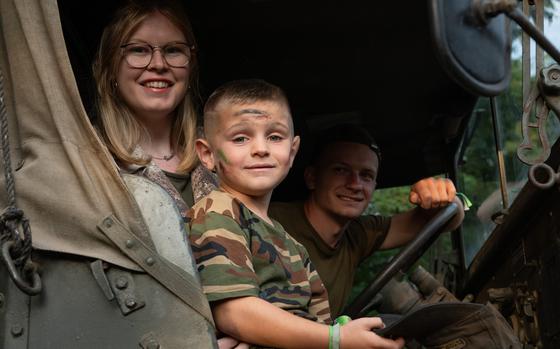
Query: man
[{"x": 341, "y": 180}]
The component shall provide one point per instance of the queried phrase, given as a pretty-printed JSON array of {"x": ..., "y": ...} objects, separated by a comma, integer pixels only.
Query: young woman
[{"x": 146, "y": 75}]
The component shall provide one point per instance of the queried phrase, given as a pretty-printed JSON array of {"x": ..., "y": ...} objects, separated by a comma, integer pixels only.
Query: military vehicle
[{"x": 415, "y": 74}]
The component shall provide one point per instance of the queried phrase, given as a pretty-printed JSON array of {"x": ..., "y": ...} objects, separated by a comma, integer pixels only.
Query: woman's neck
[{"x": 159, "y": 146}]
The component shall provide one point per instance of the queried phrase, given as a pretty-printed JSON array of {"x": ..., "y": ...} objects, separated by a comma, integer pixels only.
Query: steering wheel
[{"x": 402, "y": 261}]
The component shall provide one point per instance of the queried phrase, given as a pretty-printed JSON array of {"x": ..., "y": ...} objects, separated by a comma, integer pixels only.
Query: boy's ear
[
  {"x": 294, "y": 149},
  {"x": 205, "y": 154},
  {"x": 309, "y": 177}
]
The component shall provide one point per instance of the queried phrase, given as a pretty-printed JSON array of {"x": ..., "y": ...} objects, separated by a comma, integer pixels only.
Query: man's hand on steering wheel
[{"x": 432, "y": 192}]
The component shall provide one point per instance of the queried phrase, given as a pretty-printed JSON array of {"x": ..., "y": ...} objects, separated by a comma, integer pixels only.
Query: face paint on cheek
[{"x": 222, "y": 156}]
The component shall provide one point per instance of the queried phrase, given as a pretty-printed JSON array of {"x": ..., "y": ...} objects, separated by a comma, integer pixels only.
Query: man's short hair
[
  {"x": 241, "y": 92},
  {"x": 350, "y": 133}
]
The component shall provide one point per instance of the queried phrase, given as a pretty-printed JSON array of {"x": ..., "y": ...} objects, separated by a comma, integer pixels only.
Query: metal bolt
[
  {"x": 152, "y": 344},
  {"x": 17, "y": 330},
  {"x": 108, "y": 222},
  {"x": 555, "y": 75},
  {"x": 129, "y": 244},
  {"x": 130, "y": 303},
  {"x": 121, "y": 283},
  {"x": 150, "y": 261}
]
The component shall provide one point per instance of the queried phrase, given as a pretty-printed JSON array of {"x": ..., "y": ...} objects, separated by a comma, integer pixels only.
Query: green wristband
[
  {"x": 466, "y": 202},
  {"x": 343, "y": 320},
  {"x": 330, "y": 337},
  {"x": 335, "y": 336}
]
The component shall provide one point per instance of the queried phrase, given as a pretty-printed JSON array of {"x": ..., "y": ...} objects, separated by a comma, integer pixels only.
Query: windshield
[{"x": 478, "y": 163}]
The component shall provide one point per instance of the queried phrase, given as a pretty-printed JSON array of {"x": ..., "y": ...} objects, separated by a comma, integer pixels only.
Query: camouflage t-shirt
[{"x": 238, "y": 254}]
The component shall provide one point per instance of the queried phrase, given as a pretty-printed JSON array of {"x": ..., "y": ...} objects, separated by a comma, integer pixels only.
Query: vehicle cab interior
[{"x": 442, "y": 97}]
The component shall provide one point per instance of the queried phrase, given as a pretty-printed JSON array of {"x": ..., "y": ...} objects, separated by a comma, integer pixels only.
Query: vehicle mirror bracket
[{"x": 546, "y": 97}]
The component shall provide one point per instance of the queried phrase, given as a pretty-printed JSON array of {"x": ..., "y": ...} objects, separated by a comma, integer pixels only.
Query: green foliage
[
  {"x": 386, "y": 202},
  {"x": 389, "y": 201}
]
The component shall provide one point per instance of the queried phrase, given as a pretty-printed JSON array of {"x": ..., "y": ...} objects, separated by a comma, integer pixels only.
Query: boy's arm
[
  {"x": 319, "y": 303},
  {"x": 254, "y": 320}
]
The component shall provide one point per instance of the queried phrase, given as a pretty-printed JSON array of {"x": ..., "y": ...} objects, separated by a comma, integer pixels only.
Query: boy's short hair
[{"x": 241, "y": 92}]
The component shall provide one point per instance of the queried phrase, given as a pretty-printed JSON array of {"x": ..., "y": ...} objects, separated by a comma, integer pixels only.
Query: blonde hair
[{"x": 119, "y": 128}]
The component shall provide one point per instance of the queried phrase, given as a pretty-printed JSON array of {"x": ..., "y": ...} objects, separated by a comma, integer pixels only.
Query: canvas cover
[{"x": 66, "y": 181}]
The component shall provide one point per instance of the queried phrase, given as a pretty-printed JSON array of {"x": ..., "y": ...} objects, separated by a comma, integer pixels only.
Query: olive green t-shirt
[
  {"x": 336, "y": 266},
  {"x": 182, "y": 182}
]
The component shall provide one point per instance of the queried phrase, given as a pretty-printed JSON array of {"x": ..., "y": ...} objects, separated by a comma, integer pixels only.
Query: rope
[
  {"x": 8, "y": 175},
  {"x": 12, "y": 217}
]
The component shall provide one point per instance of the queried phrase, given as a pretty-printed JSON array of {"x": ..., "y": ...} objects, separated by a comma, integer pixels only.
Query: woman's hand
[{"x": 358, "y": 334}]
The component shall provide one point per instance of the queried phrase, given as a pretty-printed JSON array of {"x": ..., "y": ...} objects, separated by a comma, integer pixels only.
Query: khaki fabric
[
  {"x": 485, "y": 329},
  {"x": 435, "y": 317},
  {"x": 66, "y": 182}
]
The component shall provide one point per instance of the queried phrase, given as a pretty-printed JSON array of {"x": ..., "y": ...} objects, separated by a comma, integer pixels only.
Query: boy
[{"x": 259, "y": 281}]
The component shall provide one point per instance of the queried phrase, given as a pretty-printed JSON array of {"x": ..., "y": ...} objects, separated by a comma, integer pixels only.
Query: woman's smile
[{"x": 154, "y": 92}]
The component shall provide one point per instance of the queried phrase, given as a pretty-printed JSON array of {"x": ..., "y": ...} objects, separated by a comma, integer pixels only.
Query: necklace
[{"x": 164, "y": 158}]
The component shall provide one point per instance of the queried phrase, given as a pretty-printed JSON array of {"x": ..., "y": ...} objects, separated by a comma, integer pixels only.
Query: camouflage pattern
[{"x": 238, "y": 254}]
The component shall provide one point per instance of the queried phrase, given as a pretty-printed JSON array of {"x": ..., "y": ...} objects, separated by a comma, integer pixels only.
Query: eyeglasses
[{"x": 139, "y": 55}]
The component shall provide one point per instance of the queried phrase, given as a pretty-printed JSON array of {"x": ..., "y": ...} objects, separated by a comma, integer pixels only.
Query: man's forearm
[
  {"x": 256, "y": 321},
  {"x": 406, "y": 226}
]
